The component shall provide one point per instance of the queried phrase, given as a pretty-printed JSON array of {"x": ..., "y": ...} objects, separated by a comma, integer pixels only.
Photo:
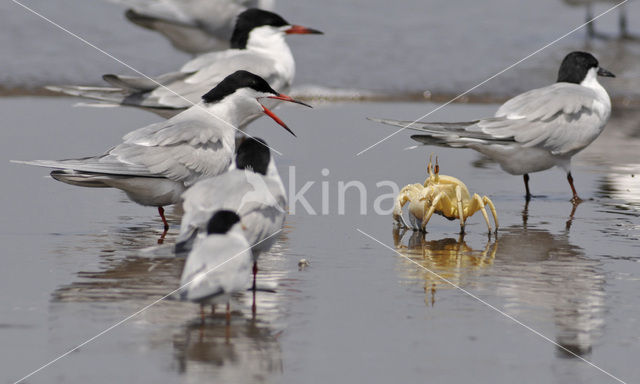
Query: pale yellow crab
[{"x": 444, "y": 195}]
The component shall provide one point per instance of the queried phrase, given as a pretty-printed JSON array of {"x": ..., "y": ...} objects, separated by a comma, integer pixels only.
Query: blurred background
[{"x": 403, "y": 48}]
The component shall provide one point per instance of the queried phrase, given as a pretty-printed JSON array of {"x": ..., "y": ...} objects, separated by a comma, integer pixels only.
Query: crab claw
[{"x": 397, "y": 214}]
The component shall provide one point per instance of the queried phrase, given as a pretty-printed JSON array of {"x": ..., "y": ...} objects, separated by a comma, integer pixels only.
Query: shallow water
[
  {"x": 360, "y": 312},
  {"x": 439, "y": 46}
]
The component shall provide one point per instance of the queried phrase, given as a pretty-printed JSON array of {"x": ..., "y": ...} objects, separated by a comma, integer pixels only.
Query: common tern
[
  {"x": 192, "y": 26},
  {"x": 219, "y": 265},
  {"x": 253, "y": 190},
  {"x": 257, "y": 45},
  {"x": 155, "y": 164},
  {"x": 535, "y": 130}
]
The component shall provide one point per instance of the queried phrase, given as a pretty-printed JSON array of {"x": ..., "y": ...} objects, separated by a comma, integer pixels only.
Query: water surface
[{"x": 359, "y": 312}]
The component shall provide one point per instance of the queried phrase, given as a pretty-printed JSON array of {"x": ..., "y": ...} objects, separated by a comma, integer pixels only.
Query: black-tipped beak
[
  {"x": 290, "y": 99},
  {"x": 604, "y": 73},
  {"x": 300, "y": 30}
]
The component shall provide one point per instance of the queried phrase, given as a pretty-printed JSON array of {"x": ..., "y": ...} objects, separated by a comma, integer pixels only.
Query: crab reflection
[
  {"x": 448, "y": 258},
  {"x": 536, "y": 274}
]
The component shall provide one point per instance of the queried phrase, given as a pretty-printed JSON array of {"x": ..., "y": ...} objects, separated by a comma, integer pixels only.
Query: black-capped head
[
  {"x": 250, "y": 19},
  {"x": 222, "y": 221},
  {"x": 576, "y": 66},
  {"x": 253, "y": 154},
  {"x": 235, "y": 81}
]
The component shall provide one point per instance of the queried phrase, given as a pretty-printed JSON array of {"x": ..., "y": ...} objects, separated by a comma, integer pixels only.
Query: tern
[
  {"x": 192, "y": 26},
  {"x": 219, "y": 265},
  {"x": 591, "y": 31},
  {"x": 535, "y": 130},
  {"x": 253, "y": 190},
  {"x": 155, "y": 164},
  {"x": 257, "y": 45}
]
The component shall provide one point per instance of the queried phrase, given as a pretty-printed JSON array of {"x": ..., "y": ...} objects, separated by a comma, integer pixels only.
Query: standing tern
[
  {"x": 257, "y": 46},
  {"x": 253, "y": 190},
  {"x": 192, "y": 26},
  {"x": 591, "y": 30},
  {"x": 219, "y": 265},
  {"x": 155, "y": 164},
  {"x": 535, "y": 130}
]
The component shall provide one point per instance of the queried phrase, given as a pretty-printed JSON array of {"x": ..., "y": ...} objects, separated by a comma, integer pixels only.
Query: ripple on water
[
  {"x": 126, "y": 281},
  {"x": 537, "y": 275}
]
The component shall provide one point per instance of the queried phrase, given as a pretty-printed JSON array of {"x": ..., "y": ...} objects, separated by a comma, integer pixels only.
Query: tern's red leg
[
  {"x": 575, "y": 199},
  {"x": 526, "y": 185},
  {"x": 164, "y": 219},
  {"x": 228, "y": 314},
  {"x": 255, "y": 272}
]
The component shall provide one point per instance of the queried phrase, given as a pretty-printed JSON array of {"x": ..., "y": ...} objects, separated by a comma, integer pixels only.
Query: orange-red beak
[
  {"x": 300, "y": 30},
  {"x": 290, "y": 99},
  {"x": 275, "y": 118}
]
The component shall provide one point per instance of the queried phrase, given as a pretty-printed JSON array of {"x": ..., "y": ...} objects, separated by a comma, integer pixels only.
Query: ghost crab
[{"x": 444, "y": 195}]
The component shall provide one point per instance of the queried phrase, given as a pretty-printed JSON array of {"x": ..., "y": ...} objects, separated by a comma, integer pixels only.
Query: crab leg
[
  {"x": 460, "y": 211},
  {"x": 426, "y": 218},
  {"x": 488, "y": 201},
  {"x": 480, "y": 203},
  {"x": 401, "y": 200}
]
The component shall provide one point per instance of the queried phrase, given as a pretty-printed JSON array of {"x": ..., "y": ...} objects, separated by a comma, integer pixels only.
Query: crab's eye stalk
[
  {"x": 429, "y": 164},
  {"x": 437, "y": 168}
]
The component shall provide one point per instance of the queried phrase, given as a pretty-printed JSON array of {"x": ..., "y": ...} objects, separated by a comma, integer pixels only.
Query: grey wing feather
[
  {"x": 111, "y": 95},
  {"x": 446, "y": 134},
  {"x": 143, "y": 84},
  {"x": 219, "y": 263},
  {"x": 211, "y": 72},
  {"x": 234, "y": 190},
  {"x": 207, "y": 196},
  {"x": 182, "y": 148},
  {"x": 559, "y": 118},
  {"x": 101, "y": 164}
]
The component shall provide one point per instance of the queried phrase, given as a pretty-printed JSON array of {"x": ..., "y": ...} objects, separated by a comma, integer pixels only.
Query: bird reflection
[
  {"x": 449, "y": 258},
  {"x": 124, "y": 280},
  {"x": 539, "y": 274},
  {"x": 245, "y": 351},
  {"x": 542, "y": 274}
]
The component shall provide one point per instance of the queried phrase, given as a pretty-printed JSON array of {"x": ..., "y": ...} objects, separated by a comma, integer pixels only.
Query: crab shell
[{"x": 432, "y": 187}]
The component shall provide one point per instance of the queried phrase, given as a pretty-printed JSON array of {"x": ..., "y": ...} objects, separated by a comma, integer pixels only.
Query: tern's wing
[
  {"x": 257, "y": 199},
  {"x": 182, "y": 148},
  {"x": 218, "y": 264},
  {"x": 560, "y": 118},
  {"x": 143, "y": 84},
  {"x": 185, "y": 35},
  {"x": 207, "y": 196},
  {"x": 212, "y": 71}
]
